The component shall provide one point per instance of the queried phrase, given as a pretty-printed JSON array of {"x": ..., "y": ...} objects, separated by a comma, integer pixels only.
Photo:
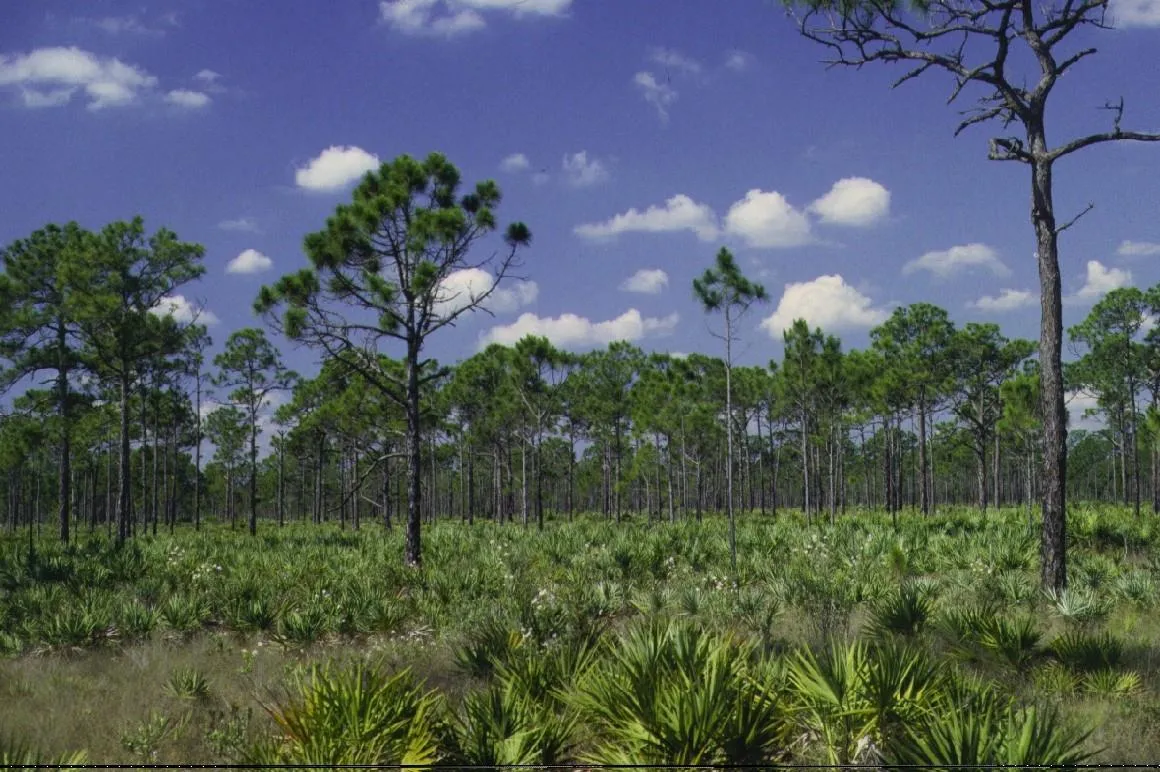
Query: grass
[{"x": 196, "y": 647}]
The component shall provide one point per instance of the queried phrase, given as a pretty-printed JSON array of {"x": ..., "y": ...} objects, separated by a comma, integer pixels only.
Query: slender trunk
[
  {"x": 806, "y": 467},
  {"x": 281, "y": 479},
  {"x": 996, "y": 473},
  {"x": 1054, "y": 476},
  {"x": 254, "y": 473},
  {"x": 923, "y": 488},
  {"x": 197, "y": 453},
  {"x": 413, "y": 550},
  {"x": 471, "y": 489},
  {"x": 65, "y": 429},
  {"x": 729, "y": 441},
  {"x": 155, "y": 505},
  {"x": 524, "y": 482},
  {"x": 125, "y": 504}
]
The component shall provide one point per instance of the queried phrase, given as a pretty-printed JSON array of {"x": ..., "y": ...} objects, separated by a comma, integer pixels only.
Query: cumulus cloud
[
  {"x": 249, "y": 261},
  {"x": 49, "y": 77},
  {"x": 853, "y": 201},
  {"x": 462, "y": 288},
  {"x": 184, "y": 310},
  {"x": 674, "y": 61},
  {"x": 582, "y": 172},
  {"x": 739, "y": 61},
  {"x": 515, "y": 163},
  {"x": 647, "y": 281},
  {"x": 572, "y": 331},
  {"x": 335, "y": 168},
  {"x": 1135, "y": 13},
  {"x": 1100, "y": 281},
  {"x": 766, "y": 219},
  {"x": 678, "y": 214},
  {"x": 449, "y": 18},
  {"x": 659, "y": 95},
  {"x": 241, "y": 224},
  {"x": 1006, "y": 300},
  {"x": 827, "y": 302},
  {"x": 208, "y": 77},
  {"x": 189, "y": 99},
  {"x": 1138, "y": 249},
  {"x": 947, "y": 262}
]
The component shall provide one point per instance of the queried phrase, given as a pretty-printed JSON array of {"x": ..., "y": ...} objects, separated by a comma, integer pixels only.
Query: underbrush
[{"x": 588, "y": 642}]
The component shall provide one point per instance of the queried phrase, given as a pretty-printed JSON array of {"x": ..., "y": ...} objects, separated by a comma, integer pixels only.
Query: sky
[{"x": 635, "y": 139}]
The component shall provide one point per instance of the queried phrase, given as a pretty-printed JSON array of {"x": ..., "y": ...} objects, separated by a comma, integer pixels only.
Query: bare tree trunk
[
  {"x": 125, "y": 505},
  {"x": 1054, "y": 540},
  {"x": 413, "y": 550}
]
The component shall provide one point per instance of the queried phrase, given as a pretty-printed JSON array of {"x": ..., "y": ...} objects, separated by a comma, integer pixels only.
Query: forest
[
  {"x": 574, "y": 505},
  {"x": 929, "y": 416},
  {"x": 910, "y": 554}
]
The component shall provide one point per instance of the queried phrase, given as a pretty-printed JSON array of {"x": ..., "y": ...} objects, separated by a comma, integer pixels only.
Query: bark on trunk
[
  {"x": 413, "y": 548},
  {"x": 125, "y": 495},
  {"x": 1054, "y": 537}
]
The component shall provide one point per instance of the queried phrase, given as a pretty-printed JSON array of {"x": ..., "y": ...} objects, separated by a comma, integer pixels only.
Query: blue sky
[{"x": 634, "y": 138}]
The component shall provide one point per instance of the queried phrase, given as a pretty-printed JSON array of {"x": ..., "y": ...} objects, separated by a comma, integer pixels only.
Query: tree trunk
[
  {"x": 62, "y": 396},
  {"x": 996, "y": 474},
  {"x": 1054, "y": 537},
  {"x": 413, "y": 549},
  {"x": 729, "y": 441},
  {"x": 197, "y": 455},
  {"x": 923, "y": 487},
  {"x": 125, "y": 503}
]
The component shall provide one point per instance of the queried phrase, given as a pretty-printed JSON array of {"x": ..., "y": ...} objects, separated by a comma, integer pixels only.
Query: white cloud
[
  {"x": 855, "y": 201},
  {"x": 572, "y": 331},
  {"x": 515, "y": 163},
  {"x": 448, "y": 18},
  {"x": 679, "y": 213},
  {"x": 208, "y": 77},
  {"x": 1078, "y": 403},
  {"x": 659, "y": 95},
  {"x": 209, "y": 406},
  {"x": 827, "y": 302},
  {"x": 55, "y": 98},
  {"x": 582, "y": 172},
  {"x": 242, "y": 224},
  {"x": 674, "y": 60},
  {"x": 117, "y": 24},
  {"x": 766, "y": 219},
  {"x": 133, "y": 25},
  {"x": 1138, "y": 249},
  {"x": 647, "y": 281},
  {"x": 1135, "y": 13},
  {"x": 1006, "y": 300},
  {"x": 335, "y": 168},
  {"x": 948, "y": 262},
  {"x": 1101, "y": 280},
  {"x": 739, "y": 61},
  {"x": 188, "y": 99},
  {"x": 249, "y": 261},
  {"x": 51, "y": 76},
  {"x": 462, "y": 288},
  {"x": 184, "y": 310}
]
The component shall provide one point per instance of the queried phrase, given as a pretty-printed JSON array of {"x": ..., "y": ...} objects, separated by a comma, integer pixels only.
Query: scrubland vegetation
[{"x": 929, "y": 642}]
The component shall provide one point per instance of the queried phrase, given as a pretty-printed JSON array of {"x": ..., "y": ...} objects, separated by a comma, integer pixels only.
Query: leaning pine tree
[
  {"x": 724, "y": 288},
  {"x": 1015, "y": 52},
  {"x": 395, "y": 265}
]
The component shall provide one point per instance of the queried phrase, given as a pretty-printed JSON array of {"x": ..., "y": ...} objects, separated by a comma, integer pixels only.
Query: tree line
[{"x": 110, "y": 388}]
